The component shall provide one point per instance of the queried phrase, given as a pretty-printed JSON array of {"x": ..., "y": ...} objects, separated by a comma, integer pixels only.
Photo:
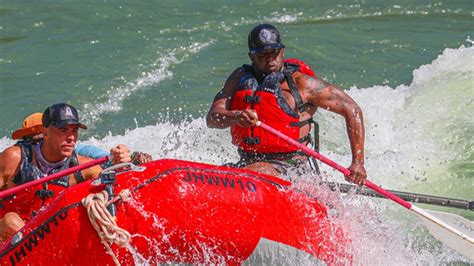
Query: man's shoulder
[
  {"x": 11, "y": 153},
  {"x": 298, "y": 75},
  {"x": 240, "y": 71},
  {"x": 10, "y": 159},
  {"x": 301, "y": 79},
  {"x": 235, "y": 77}
]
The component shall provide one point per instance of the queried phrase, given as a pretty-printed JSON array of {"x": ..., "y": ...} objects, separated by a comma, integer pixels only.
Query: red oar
[
  {"x": 453, "y": 232},
  {"x": 57, "y": 175}
]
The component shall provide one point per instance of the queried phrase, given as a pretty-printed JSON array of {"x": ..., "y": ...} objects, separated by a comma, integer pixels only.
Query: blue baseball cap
[
  {"x": 263, "y": 37},
  {"x": 61, "y": 115}
]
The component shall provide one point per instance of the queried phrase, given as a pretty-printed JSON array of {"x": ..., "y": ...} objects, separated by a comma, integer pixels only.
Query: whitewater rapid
[{"x": 418, "y": 138}]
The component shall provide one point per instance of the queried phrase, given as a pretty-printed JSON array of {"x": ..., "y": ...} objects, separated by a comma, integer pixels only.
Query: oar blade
[{"x": 456, "y": 242}]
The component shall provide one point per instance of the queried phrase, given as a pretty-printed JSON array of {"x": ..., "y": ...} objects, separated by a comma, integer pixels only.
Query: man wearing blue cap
[
  {"x": 26, "y": 162},
  {"x": 280, "y": 95}
]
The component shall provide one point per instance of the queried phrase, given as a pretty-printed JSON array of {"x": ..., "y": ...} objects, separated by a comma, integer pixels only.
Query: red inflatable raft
[{"x": 181, "y": 212}]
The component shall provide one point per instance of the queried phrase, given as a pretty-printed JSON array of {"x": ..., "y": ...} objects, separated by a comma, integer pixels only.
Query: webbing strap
[{"x": 294, "y": 91}]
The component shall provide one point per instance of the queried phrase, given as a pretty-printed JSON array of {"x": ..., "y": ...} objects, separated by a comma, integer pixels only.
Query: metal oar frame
[{"x": 408, "y": 196}]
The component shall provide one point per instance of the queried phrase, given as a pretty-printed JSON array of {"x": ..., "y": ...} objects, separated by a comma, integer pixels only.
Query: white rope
[{"x": 103, "y": 222}]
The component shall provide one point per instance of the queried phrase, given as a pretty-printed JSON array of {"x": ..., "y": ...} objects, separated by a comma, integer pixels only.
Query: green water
[
  {"x": 145, "y": 73},
  {"x": 80, "y": 51}
]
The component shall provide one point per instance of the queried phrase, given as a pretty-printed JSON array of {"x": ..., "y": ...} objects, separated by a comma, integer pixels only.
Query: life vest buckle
[
  {"x": 252, "y": 99},
  {"x": 44, "y": 193},
  {"x": 252, "y": 141}
]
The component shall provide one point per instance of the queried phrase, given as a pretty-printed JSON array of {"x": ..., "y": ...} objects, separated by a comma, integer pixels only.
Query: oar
[
  {"x": 453, "y": 232},
  {"x": 57, "y": 175},
  {"x": 408, "y": 196}
]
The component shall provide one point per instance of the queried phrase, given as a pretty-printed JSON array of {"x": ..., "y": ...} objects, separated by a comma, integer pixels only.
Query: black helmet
[{"x": 262, "y": 37}]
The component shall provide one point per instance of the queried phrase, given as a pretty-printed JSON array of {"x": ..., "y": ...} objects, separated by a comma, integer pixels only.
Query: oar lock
[
  {"x": 122, "y": 167},
  {"x": 107, "y": 177}
]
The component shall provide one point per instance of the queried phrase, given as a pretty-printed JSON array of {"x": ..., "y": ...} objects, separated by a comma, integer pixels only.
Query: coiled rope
[{"x": 103, "y": 222}]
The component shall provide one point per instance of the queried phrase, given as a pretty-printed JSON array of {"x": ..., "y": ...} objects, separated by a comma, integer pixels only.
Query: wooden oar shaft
[
  {"x": 57, "y": 175},
  {"x": 408, "y": 196}
]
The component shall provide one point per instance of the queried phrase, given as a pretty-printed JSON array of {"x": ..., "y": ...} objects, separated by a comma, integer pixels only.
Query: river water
[{"x": 145, "y": 73}]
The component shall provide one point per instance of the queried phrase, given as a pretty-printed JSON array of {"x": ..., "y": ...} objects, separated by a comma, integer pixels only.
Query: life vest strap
[
  {"x": 258, "y": 157},
  {"x": 306, "y": 138},
  {"x": 294, "y": 91},
  {"x": 77, "y": 175},
  {"x": 302, "y": 123}
]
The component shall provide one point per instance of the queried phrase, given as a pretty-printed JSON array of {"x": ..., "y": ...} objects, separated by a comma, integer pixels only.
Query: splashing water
[{"x": 418, "y": 138}]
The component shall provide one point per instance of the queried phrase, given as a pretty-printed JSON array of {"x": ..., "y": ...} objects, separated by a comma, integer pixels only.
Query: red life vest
[
  {"x": 302, "y": 66},
  {"x": 28, "y": 202},
  {"x": 266, "y": 97}
]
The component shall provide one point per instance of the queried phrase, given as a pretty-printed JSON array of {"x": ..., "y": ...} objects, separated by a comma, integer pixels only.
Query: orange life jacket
[{"x": 266, "y": 98}]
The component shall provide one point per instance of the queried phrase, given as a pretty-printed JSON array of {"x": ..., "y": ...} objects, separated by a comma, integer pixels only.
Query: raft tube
[{"x": 181, "y": 212}]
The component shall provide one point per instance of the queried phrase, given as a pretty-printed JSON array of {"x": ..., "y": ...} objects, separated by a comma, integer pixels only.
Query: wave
[
  {"x": 404, "y": 124},
  {"x": 113, "y": 99},
  {"x": 410, "y": 124},
  {"x": 351, "y": 12}
]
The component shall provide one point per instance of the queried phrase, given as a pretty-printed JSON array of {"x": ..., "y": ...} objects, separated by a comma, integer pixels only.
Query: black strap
[
  {"x": 26, "y": 153},
  {"x": 306, "y": 138},
  {"x": 316, "y": 136},
  {"x": 78, "y": 174},
  {"x": 27, "y": 148},
  {"x": 259, "y": 157},
  {"x": 302, "y": 123},
  {"x": 294, "y": 91},
  {"x": 315, "y": 142}
]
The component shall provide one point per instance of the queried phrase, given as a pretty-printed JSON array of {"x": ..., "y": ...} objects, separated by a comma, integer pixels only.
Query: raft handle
[{"x": 130, "y": 166}]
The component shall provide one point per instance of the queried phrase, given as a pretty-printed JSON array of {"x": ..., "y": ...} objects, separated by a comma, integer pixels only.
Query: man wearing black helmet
[
  {"x": 280, "y": 95},
  {"x": 26, "y": 162}
]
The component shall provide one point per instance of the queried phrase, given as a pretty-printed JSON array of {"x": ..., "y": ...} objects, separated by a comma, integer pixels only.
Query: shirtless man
[{"x": 281, "y": 96}]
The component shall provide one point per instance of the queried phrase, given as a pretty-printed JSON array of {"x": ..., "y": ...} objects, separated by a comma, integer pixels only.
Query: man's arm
[
  {"x": 332, "y": 98},
  {"x": 9, "y": 164},
  {"x": 90, "y": 151},
  {"x": 10, "y": 160},
  {"x": 219, "y": 116},
  {"x": 91, "y": 172},
  {"x": 120, "y": 154}
]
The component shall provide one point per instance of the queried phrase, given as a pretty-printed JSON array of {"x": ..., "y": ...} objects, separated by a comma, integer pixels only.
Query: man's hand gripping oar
[
  {"x": 57, "y": 175},
  {"x": 455, "y": 231}
]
